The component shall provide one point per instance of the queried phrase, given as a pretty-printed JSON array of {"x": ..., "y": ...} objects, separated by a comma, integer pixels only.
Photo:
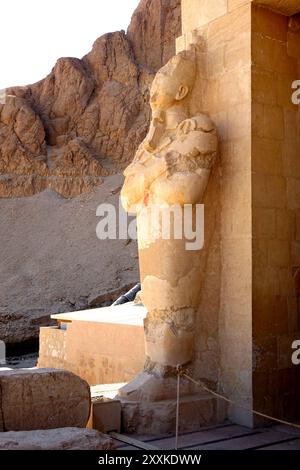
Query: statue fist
[{"x": 187, "y": 126}]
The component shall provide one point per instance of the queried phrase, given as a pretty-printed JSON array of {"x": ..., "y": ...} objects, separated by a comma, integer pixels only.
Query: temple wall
[
  {"x": 198, "y": 13},
  {"x": 248, "y": 316},
  {"x": 223, "y": 91},
  {"x": 275, "y": 210}
]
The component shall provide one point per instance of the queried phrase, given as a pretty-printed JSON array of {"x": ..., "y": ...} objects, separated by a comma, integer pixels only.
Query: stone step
[{"x": 156, "y": 418}]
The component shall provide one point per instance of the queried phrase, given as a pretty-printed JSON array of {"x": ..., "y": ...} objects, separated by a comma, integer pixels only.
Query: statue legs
[{"x": 170, "y": 277}]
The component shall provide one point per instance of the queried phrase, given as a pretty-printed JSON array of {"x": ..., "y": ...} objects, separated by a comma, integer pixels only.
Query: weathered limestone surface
[
  {"x": 275, "y": 211},
  {"x": 197, "y": 13},
  {"x": 151, "y": 32},
  {"x": 287, "y": 7},
  {"x": 224, "y": 346},
  {"x": 101, "y": 355},
  {"x": 42, "y": 399},
  {"x": 87, "y": 117},
  {"x": 56, "y": 439}
]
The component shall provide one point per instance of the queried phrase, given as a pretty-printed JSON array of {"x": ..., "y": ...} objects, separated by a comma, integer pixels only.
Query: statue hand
[{"x": 187, "y": 126}]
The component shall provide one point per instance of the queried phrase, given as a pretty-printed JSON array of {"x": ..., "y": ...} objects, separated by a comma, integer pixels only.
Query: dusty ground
[{"x": 52, "y": 260}]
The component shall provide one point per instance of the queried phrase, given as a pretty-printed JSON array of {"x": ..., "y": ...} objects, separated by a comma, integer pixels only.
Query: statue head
[{"x": 173, "y": 82}]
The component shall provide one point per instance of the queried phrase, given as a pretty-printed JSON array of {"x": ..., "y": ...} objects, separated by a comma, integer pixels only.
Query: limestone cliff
[
  {"x": 66, "y": 133},
  {"x": 86, "y": 118}
]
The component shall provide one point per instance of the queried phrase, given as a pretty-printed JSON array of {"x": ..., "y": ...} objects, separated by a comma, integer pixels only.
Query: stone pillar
[{"x": 248, "y": 57}]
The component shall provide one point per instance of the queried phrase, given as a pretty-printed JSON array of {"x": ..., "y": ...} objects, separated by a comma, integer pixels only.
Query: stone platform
[
  {"x": 102, "y": 345},
  {"x": 227, "y": 436}
]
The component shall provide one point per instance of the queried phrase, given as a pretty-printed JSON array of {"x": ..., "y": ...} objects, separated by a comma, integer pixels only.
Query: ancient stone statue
[{"x": 171, "y": 168}]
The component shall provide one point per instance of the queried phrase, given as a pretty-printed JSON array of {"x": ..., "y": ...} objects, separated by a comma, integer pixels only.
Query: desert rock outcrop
[{"x": 86, "y": 119}]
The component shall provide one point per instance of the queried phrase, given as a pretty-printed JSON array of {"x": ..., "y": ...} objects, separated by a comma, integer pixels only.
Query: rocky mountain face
[
  {"x": 85, "y": 120},
  {"x": 73, "y": 133}
]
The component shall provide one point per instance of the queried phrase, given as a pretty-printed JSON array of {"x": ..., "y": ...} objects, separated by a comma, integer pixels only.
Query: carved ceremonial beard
[
  {"x": 162, "y": 123},
  {"x": 156, "y": 131}
]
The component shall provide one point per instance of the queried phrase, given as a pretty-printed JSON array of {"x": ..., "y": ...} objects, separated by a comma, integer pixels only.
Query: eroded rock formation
[{"x": 87, "y": 117}]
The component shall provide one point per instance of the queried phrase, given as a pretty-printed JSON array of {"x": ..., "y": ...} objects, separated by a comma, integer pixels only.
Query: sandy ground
[{"x": 52, "y": 260}]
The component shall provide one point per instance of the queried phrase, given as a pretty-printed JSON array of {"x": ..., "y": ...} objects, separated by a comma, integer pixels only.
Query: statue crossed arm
[{"x": 175, "y": 173}]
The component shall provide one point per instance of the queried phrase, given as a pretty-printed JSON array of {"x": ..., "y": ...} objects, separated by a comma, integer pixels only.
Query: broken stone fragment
[
  {"x": 56, "y": 439},
  {"x": 42, "y": 399}
]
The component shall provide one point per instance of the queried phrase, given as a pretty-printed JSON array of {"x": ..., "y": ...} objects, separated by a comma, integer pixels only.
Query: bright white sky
[{"x": 35, "y": 33}]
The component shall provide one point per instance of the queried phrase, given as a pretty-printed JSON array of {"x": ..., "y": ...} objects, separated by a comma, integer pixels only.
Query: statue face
[
  {"x": 162, "y": 95},
  {"x": 165, "y": 92},
  {"x": 172, "y": 82}
]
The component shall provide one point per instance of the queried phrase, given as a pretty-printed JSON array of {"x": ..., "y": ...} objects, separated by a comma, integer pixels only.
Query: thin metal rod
[{"x": 177, "y": 408}]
